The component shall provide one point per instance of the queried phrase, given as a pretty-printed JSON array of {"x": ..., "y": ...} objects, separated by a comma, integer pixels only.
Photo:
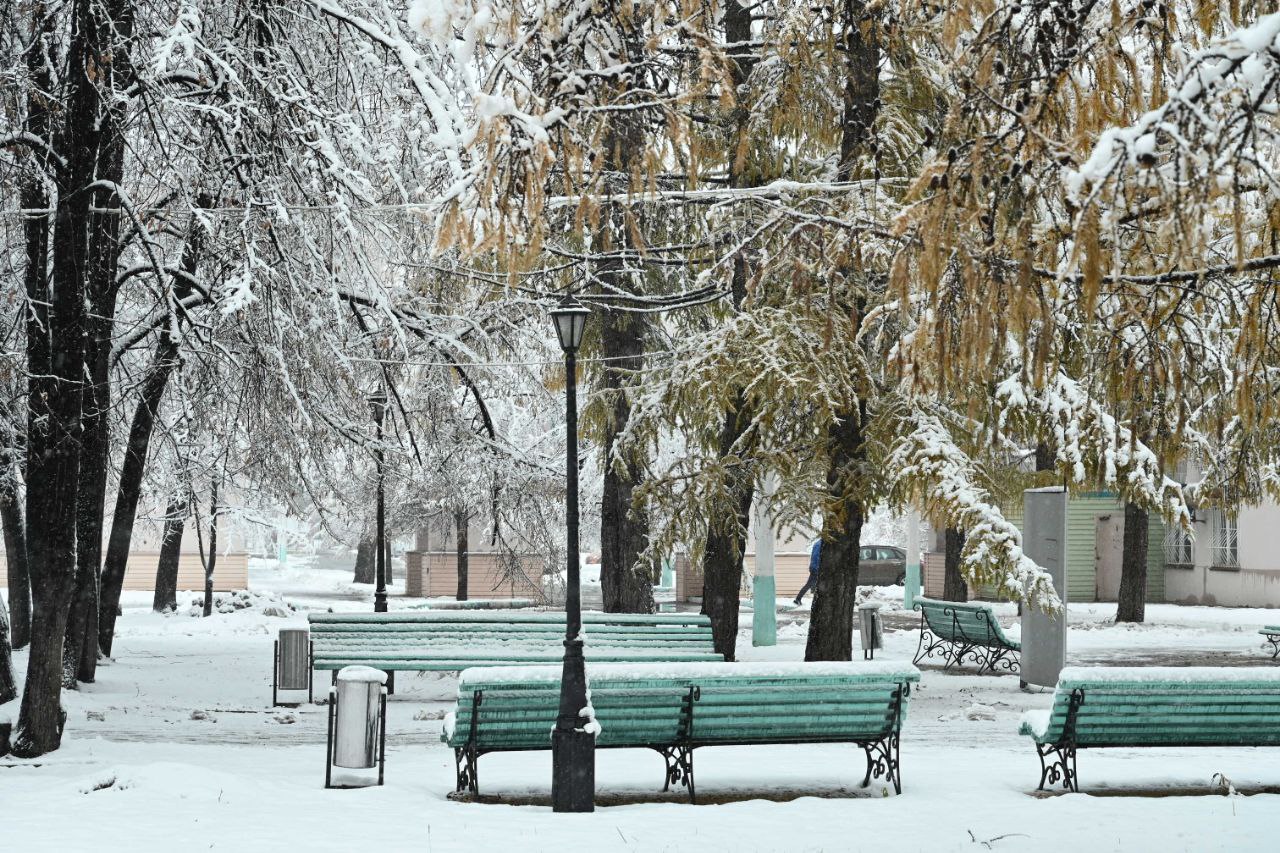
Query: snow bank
[{"x": 763, "y": 669}]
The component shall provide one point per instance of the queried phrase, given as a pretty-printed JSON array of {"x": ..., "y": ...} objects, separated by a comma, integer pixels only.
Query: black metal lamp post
[
  {"x": 378, "y": 406},
  {"x": 573, "y": 758}
]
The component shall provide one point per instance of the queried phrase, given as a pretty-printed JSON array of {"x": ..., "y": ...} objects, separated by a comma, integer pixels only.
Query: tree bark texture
[
  {"x": 625, "y": 584},
  {"x": 15, "y": 549},
  {"x": 836, "y": 595},
  {"x": 1132, "y": 599},
  {"x": 954, "y": 587},
  {"x": 461, "y": 519},
  {"x": 56, "y": 330},
  {"x": 365, "y": 565},
  {"x": 175, "y": 519}
]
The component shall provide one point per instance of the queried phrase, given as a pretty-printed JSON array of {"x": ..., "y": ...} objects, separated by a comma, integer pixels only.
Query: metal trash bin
[
  {"x": 870, "y": 628},
  {"x": 357, "y": 724},
  {"x": 292, "y": 664}
]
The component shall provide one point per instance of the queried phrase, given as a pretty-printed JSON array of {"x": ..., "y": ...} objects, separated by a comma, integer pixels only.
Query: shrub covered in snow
[{"x": 266, "y": 603}]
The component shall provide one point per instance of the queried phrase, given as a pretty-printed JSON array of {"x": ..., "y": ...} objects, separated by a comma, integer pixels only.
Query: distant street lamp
[
  {"x": 378, "y": 407},
  {"x": 573, "y": 759}
]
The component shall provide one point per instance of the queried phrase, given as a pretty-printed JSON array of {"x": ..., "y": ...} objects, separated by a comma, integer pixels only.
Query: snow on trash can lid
[
  {"x": 362, "y": 673},
  {"x": 871, "y": 605}
]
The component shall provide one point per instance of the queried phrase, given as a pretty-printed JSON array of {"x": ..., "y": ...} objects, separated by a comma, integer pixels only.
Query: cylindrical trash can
[
  {"x": 870, "y": 629},
  {"x": 358, "y": 717}
]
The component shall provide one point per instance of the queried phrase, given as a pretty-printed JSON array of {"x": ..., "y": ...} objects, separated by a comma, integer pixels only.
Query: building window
[
  {"x": 1177, "y": 547},
  {"x": 1223, "y": 550}
]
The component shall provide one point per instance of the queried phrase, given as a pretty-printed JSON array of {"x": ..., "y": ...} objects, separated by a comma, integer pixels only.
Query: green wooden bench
[
  {"x": 676, "y": 708},
  {"x": 1097, "y": 707},
  {"x": 1272, "y": 633},
  {"x": 457, "y": 639},
  {"x": 956, "y": 631}
]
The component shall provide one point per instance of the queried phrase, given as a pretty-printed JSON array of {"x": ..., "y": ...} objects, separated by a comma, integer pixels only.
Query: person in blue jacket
[{"x": 814, "y": 557}]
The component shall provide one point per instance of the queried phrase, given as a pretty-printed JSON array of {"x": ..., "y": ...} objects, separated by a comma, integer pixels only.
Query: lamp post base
[{"x": 573, "y": 771}]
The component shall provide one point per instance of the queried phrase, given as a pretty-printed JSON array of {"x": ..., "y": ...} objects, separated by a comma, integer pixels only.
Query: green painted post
[
  {"x": 912, "y": 584},
  {"x": 764, "y": 601},
  {"x": 282, "y": 548},
  {"x": 668, "y": 573}
]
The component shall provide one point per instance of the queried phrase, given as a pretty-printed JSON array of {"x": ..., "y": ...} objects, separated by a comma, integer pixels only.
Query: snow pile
[
  {"x": 263, "y": 603},
  {"x": 978, "y": 711}
]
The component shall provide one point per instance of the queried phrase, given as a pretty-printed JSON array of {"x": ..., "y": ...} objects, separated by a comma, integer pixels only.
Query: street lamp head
[{"x": 570, "y": 320}]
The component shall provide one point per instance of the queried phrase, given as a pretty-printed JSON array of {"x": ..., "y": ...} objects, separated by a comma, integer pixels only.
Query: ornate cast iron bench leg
[
  {"x": 679, "y": 761},
  {"x": 882, "y": 760},
  {"x": 1061, "y": 769},
  {"x": 468, "y": 765},
  {"x": 1274, "y": 640}
]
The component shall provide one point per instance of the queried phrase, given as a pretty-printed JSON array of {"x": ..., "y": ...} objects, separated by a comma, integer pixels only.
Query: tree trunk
[
  {"x": 212, "y": 560},
  {"x": 365, "y": 565},
  {"x": 954, "y": 587},
  {"x": 15, "y": 549},
  {"x": 175, "y": 518},
  {"x": 722, "y": 573},
  {"x": 80, "y": 654},
  {"x": 1046, "y": 459},
  {"x": 1132, "y": 605},
  {"x": 8, "y": 684},
  {"x": 836, "y": 595},
  {"x": 625, "y": 583},
  {"x": 56, "y": 330},
  {"x": 461, "y": 519},
  {"x": 163, "y": 363},
  {"x": 726, "y": 544},
  {"x": 831, "y": 616}
]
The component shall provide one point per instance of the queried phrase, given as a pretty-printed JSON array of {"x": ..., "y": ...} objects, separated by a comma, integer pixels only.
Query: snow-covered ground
[{"x": 177, "y": 748}]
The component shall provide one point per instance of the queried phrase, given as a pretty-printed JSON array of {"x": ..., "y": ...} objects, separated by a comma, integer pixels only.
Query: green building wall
[{"x": 1083, "y": 510}]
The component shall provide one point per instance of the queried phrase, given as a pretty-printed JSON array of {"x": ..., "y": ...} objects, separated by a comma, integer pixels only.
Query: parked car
[{"x": 881, "y": 565}]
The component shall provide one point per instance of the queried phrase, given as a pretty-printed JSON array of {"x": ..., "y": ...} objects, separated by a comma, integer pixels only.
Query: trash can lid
[
  {"x": 362, "y": 673},
  {"x": 871, "y": 605}
]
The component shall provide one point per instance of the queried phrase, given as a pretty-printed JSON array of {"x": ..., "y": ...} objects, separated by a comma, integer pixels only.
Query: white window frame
[{"x": 1224, "y": 541}]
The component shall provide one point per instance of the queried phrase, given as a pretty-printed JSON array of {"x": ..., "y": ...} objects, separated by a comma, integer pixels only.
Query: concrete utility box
[{"x": 1044, "y": 636}]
